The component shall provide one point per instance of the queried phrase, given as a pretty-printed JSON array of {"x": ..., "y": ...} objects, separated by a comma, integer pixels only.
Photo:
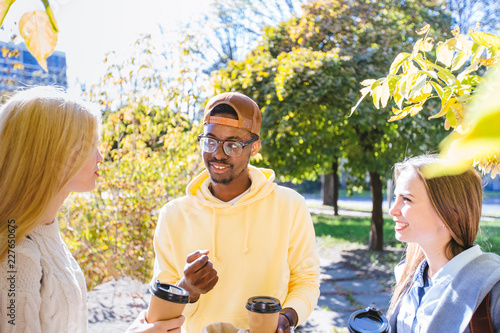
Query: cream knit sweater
[{"x": 49, "y": 286}]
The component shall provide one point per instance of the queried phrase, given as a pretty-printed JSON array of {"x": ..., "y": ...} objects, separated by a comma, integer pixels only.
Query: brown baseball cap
[{"x": 249, "y": 115}]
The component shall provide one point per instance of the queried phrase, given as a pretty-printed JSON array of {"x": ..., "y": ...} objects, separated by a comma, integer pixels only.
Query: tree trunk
[
  {"x": 335, "y": 169},
  {"x": 377, "y": 224},
  {"x": 331, "y": 188},
  {"x": 328, "y": 189}
]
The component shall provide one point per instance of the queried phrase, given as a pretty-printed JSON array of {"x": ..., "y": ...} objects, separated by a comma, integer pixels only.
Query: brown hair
[{"x": 457, "y": 199}]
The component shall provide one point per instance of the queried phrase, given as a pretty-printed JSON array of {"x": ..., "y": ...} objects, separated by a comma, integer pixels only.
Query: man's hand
[
  {"x": 199, "y": 275},
  {"x": 283, "y": 323}
]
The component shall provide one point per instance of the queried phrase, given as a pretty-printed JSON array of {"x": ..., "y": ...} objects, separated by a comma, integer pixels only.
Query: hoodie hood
[{"x": 262, "y": 185}]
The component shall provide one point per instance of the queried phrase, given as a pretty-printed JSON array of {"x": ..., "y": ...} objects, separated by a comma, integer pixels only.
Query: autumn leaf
[
  {"x": 40, "y": 37},
  {"x": 4, "y": 9},
  {"x": 482, "y": 137},
  {"x": 444, "y": 109},
  {"x": 396, "y": 64},
  {"x": 489, "y": 62},
  {"x": 424, "y": 29},
  {"x": 485, "y": 39}
]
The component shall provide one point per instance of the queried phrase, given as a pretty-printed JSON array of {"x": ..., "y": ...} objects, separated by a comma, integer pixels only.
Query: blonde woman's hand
[
  {"x": 141, "y": 325},
  {"x": 170, "y": 326}
]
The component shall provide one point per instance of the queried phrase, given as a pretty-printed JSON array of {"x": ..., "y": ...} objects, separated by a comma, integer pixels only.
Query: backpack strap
[{"x": 481, "y": 321}]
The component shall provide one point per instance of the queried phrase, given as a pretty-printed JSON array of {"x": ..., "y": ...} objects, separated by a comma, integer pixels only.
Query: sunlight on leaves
[{"x": 481, "y": 139}]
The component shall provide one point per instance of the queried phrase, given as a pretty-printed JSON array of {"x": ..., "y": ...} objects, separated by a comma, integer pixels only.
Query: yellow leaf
[
  {"x": 444, "y": 109},
  {"x": 376, "y": 96},
  {"x": 424, "y": 29},
  {"x": 400, "y": 116},
  {"x": 415, "y": 110},
  {"x": 4, "y": 9},
  {"x": 427, "y": 44},
  {"x": 481, "y": 139},
  {"x": 364, "y": 92},
  {"x": 396, "y": 64},
  {"x": 451, "y": 119},
  {"x": 489, "y": 62},
  {"x": 444, "y": 52},
  {"x": 409, "y": 110},
  {"x": 385, "y": 93},
  {"x": 458, "y": 61},
  {"x": 40, "y": 38},
  {"x": 485, "y": 39},
  {"x": 416, "y": 47},
  {"x": 418, "y": 97},
  {"x": 367, "y": 82}
]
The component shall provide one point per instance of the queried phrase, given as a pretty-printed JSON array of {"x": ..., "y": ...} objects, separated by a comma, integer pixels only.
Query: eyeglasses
[{"x": 230, "y": 147}]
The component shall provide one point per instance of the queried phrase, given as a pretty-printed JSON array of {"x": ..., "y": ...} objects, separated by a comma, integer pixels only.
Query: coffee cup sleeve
[{"x": 140, "y": 324}]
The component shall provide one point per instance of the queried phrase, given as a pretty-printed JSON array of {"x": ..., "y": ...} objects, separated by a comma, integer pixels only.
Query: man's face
[{"x": 224, "y": 169}]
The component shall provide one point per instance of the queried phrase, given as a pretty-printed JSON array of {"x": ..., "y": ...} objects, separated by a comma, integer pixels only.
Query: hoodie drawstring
[
  {"x": 214, "y": 252},
  {"x": 247, "y": 227}
]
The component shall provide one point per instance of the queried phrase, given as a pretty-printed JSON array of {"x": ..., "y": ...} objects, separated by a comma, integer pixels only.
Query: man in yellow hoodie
[{"x": 236, "y": 233}]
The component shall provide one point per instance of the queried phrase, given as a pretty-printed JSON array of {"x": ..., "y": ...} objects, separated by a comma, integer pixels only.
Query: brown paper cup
[
  {"x": 167, "y": 302},
  {"x": 263, "y": 322},
  {"x": 263, "y": 314}
]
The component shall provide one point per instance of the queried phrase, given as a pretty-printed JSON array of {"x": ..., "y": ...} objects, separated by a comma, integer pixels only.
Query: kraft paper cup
[
  {"x": 167, "y": 302},
  {"x": 263, "y": 314}
]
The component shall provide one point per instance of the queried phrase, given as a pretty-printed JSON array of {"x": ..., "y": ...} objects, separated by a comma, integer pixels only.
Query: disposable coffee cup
[
  {"x": 369, "y": 320},
  {"x": 168, "y": 302},
  {"x": 263, "y": 314}
]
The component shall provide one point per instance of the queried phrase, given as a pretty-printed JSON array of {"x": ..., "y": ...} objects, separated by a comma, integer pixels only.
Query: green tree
[
  {"x": 300, "y": 104},
  {"x": 364, "y": 35}
]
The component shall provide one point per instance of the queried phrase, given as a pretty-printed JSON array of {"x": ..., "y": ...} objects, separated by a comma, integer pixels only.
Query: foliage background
[{"x": 150, "y": 155}]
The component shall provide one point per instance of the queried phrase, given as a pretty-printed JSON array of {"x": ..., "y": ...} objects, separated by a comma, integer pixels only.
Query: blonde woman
[
  {"x": 48, "y": 148},
  {"x": 445, "y": 279}
]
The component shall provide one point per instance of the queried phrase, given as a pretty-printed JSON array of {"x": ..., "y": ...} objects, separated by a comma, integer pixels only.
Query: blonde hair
[
  {"x": 457, "y": 199},
  {"x": 45, "y": 137}
]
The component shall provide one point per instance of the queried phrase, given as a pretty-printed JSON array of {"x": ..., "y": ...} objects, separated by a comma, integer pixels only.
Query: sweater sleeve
[
  {"x": 20, "y": 298},
  {"x": 303, "y": 287}
]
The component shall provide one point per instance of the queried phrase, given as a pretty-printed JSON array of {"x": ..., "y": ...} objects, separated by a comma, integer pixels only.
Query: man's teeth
[{"x": 219, "y": 167}]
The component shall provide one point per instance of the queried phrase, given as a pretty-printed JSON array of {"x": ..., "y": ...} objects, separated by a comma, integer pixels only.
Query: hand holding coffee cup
[
  {"x": 167, "y": 302},
  {"x": 263, "y": 314},
  {"x": 199, "y": 275}
]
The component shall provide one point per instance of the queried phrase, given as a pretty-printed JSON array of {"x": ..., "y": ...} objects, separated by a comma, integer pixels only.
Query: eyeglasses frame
[{"x": 219, "y": 142}]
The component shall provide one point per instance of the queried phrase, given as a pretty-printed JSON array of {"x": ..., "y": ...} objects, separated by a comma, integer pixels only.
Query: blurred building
[{"x": 20, "y": 69}]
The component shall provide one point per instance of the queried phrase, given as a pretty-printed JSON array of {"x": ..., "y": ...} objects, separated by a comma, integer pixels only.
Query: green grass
[
  {"x": 347, "y": 230},
  {"x": 489, "y": 236}
]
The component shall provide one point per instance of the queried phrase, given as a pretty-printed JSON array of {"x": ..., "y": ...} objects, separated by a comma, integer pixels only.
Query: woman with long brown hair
[{"x": 444, "y": 278}]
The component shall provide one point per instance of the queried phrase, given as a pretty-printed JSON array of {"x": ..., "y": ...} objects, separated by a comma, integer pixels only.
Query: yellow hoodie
[{"x": 263, "y": 245}]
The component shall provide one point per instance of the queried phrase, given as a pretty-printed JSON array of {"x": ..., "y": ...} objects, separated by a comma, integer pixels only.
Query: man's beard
[{"x": 224, "y": 181}]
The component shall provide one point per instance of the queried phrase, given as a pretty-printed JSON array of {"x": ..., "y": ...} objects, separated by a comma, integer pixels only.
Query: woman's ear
[{"x": 256, "y": 147}]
